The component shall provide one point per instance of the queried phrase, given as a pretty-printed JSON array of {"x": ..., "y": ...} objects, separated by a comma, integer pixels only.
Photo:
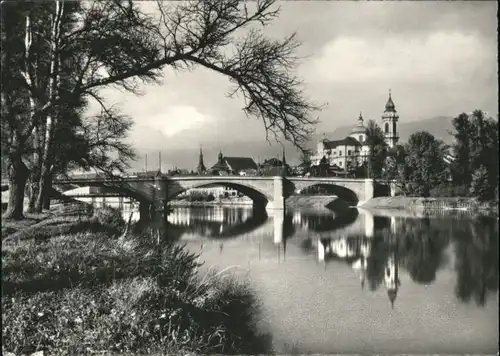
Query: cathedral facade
[{"x": 353, "y": 149}]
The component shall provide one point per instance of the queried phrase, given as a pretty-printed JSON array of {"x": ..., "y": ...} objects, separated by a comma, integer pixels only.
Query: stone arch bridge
[{"x": 266, "y": 192}]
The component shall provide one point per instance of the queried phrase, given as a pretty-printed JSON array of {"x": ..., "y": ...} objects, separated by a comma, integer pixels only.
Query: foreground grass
[{"x": 77, "y": 287}]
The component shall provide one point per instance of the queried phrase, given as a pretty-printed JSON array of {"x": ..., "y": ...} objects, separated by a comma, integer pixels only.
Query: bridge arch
[
  {"x": 347, "y": 194},
  {"x": 259, "y": 196}
]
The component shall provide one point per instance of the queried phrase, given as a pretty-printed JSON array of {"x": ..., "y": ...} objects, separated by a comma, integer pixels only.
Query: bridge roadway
[{"x": 268, "y": 192}]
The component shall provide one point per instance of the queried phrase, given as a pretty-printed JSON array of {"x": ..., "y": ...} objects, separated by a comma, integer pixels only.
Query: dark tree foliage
[
  {"x": 476, "y": 154},
  {"x": 425, "y": 162},
  {"x": 378, "y": 150}
]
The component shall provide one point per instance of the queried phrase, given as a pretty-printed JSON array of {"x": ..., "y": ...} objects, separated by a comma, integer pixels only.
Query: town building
[
  {"x": 242, "y": 166},
  {"x": 390, "y": 123},
  {"x": 274, "y": 167},
  {"x": 353, "y": 150}
]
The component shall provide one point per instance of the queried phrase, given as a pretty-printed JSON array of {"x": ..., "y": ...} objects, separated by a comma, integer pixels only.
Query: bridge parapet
[{"x": 262, "y": 190}]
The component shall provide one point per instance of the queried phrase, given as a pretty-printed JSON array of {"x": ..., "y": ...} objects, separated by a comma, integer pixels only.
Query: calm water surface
[{"x": 358, "y": 282}]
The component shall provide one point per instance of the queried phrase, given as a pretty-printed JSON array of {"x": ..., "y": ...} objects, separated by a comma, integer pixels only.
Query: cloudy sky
[{"x": 439, "y": 58}]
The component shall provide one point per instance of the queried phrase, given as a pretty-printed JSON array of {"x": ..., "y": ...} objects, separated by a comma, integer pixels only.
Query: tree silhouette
[{"x": 378, "y": 149}]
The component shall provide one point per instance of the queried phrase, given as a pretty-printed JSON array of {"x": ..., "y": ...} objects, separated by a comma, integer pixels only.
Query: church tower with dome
[
  {"x": 359, "y": 131},
  {"x": 390, "y": 123},
  {"x": 354, "y": 149}
]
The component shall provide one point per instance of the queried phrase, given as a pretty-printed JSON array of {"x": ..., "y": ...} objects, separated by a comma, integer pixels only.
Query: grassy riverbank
[{"x": 73, "y": 283}]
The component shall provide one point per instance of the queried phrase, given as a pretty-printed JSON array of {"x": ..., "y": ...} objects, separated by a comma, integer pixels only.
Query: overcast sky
[{"x": 439, "y": 58}]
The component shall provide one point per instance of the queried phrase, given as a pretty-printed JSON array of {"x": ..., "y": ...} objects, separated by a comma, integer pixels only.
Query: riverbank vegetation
[
  {"x": 75, "y": 284},
  {"x": 426, "y": 167}
]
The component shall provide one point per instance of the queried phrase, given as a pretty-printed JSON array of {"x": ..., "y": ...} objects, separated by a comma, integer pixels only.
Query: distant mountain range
[{"x": 260, "y": 150}]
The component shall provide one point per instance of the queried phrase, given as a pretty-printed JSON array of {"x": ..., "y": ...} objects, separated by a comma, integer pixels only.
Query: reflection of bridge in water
[
  {"x": 243, "y": 222},
  {"x": 375, "y": 248},
  {"x": 345, "y": 237}
]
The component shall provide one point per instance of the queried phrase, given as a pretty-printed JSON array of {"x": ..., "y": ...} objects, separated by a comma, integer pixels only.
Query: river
[{"x": 357, "y": 281}]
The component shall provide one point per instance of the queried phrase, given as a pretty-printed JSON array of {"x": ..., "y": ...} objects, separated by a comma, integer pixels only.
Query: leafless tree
[{"x": 90, "y": 46}]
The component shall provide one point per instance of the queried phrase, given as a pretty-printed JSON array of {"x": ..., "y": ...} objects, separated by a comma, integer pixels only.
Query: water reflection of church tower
[{"x": 391, "y": 277}]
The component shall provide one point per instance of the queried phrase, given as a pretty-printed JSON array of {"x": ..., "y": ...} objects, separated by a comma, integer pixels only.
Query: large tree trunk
[
  {"x": 48, "y": 193},
  {"x": 51, "y": 119},
  {"x": 42, "y": 188},
  {"x": 18, "y": 175},
  {"x": 35, "y": 169},
  {"x": 34, "y": 183},
  {"x": 32, "y": 194}
]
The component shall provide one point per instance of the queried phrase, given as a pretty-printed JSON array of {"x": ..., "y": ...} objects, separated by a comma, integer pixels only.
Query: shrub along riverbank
[
  {"x": 420, "y": 203},
  {"x": 75, "y": 284}
]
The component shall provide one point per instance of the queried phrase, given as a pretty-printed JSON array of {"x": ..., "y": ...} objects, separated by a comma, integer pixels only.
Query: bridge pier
[
  {"x": 160, "y": 195},
  {"x": 369, "y": 191},
  {"x": 278, "y": 198}
]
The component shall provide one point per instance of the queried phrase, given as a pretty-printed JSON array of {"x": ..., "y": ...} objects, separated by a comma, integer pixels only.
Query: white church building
[{"x": 353, "y": 148}]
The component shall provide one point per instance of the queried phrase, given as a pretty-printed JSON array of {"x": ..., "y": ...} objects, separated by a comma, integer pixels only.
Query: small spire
[
  {"x": 201, "y": 166},
  {"x": 389, "y": 106}
]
